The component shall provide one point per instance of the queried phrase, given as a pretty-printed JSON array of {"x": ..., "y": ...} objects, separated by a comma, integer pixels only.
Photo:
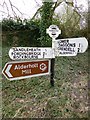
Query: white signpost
[
  {"x": 53, "y": 32},
  {"x": 60, "y": 47},
  {"x": 23, "y": 53},
  {"x": 64, "y": 47}
]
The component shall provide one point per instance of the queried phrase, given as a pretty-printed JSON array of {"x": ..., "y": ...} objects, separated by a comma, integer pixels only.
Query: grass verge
[{"x": 35, "y": 98}]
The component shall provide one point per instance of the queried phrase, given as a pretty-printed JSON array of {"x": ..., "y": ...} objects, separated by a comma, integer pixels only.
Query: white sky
[{"x": 29, "y": 7}]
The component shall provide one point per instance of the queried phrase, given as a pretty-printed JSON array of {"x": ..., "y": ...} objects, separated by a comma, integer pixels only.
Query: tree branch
[
  {"x": 18, "y": 10},
  {"x": 36, "y": 13},
  {"x": 12, "y": 8},
  {"x": 56, "y": 5},
  {"x": 6, "y": 7},
  {"x": 37, "y": 3},
  {"x": 3, "y": 11}
]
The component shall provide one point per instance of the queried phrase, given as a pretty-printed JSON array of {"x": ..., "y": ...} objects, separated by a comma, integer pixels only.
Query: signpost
[
  {"x": 64, "y": 47},
  {"x": 25, "y": 53},
  {"x": 26, "y": 69},
  {"x": 53, "y": 32}
]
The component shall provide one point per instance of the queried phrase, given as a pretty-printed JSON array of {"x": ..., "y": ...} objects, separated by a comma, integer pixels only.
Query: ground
[{"x": 35, "y": 98}]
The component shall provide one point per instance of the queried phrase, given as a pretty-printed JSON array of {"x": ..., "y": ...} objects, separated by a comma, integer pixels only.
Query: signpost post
[{"x": 53, "y": 32}]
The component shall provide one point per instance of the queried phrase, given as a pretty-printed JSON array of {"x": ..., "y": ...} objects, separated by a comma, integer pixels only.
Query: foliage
[
  {"x": 46, "y": 21},
  {"x": 27, "y": 32},
  {"x": 19, "y": 24},
  {"x": 33, "y": 32},
  {"x": 47, "y": 13}
]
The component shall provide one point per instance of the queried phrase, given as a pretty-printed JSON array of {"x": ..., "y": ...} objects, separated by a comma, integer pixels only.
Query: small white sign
[
  {"x": 23, "y": 53},
  {"x": 66, "y": 47},
  {"x": 53, "y": 31}
]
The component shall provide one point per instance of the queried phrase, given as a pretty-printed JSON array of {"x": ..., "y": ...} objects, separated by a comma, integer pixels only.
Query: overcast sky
[{"x": 29, "y": 7}]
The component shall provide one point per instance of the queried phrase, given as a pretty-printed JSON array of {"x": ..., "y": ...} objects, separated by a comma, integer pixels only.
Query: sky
[{"x": 29, "y": 7}]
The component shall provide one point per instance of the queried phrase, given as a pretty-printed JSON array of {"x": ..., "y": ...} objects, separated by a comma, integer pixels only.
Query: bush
[{"x": 26, "y": 31}]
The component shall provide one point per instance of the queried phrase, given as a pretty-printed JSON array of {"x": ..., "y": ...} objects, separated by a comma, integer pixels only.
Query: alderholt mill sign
[{"x": 26, "y": 69}]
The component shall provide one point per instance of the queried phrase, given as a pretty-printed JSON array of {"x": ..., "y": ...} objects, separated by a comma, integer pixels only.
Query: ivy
[
  {"x": 18, "y": 24},
  {"x": 46, "y": 21}
]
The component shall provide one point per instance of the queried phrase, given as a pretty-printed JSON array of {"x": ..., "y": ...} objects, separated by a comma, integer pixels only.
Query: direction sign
[
  {"x": 22, "y": 53},
  {"x": 66, "y": 47},
  {"x": 53, "y": 31},
  {"x": 26, "y": 69},
  {"x": 70, "y": 46}
]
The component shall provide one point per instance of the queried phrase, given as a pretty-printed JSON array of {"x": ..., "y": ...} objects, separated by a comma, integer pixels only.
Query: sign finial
[{"x": 53, "y": 31}]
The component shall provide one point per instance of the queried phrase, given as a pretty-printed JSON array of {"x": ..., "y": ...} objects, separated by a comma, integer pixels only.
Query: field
[{"x": 35, "y": 98}]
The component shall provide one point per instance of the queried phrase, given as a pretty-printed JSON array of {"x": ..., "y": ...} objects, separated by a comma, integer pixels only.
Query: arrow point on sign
[{"x": 7, "y": 71}]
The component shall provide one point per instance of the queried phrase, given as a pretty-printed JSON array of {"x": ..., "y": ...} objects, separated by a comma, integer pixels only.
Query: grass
[{"x": 35, "y": 98}]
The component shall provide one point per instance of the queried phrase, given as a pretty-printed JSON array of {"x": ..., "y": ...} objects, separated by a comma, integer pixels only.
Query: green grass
[{"x": 34, "y": 97}]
